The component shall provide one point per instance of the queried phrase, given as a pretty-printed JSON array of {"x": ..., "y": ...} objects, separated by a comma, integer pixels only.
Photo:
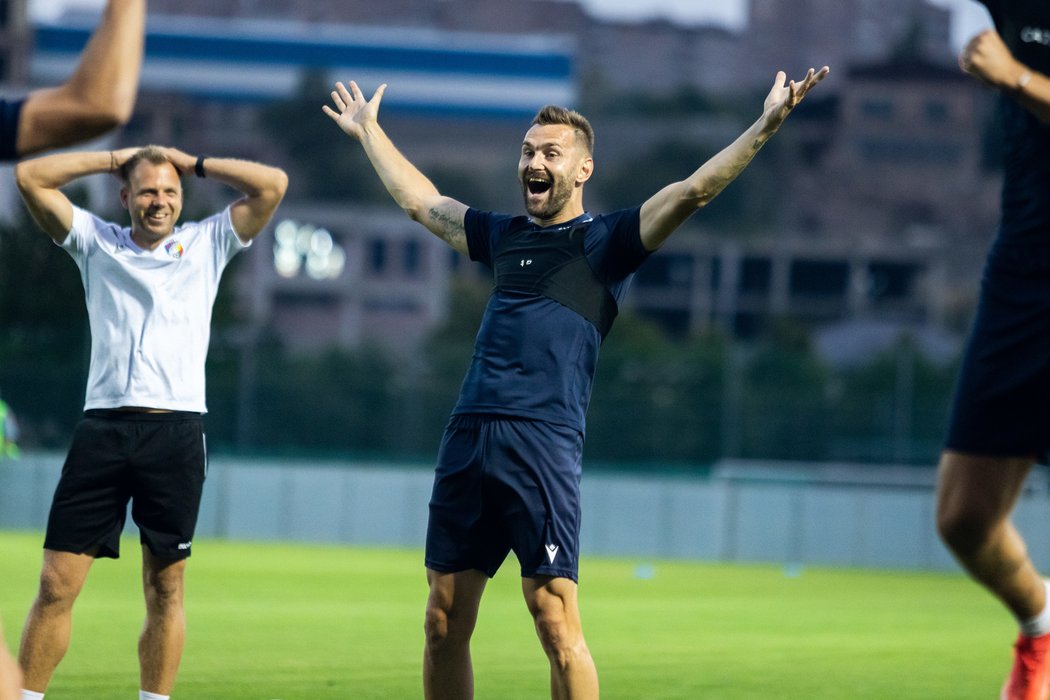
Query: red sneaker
[{"x": 1030, "y": 677}]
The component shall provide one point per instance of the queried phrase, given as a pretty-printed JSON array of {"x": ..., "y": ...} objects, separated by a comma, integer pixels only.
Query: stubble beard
[{"x": 557, "y": 198}]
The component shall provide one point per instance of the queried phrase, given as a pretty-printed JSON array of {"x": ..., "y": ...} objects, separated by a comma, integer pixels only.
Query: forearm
[
  {"x": 410, "y": 189},
  {"x": 254, "y": 180},
  {"x": 715, "y": 175},
  {"x": 54, "y": 171},
  {"x": 263, "y": 187},
  {"x": 39, "y": 180},
  {"x": 988, "y": 59},
  {"x": 1032, "y": 89},
  {"x": 663, "y": 213}
]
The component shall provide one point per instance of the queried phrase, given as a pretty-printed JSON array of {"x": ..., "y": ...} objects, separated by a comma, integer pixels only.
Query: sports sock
[
  {"x": 31, "y": 695},
  {"x": 143, "y": 695},
  {"x": 1040, "y": 624}
]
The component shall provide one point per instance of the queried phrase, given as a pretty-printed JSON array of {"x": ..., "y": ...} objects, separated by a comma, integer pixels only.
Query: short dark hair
[
  {"x": 553, "y": 114},
  {"x": 150, "y": 154}
]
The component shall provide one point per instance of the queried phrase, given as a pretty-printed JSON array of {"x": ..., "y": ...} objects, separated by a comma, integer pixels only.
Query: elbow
[
  {"x": 119, "y": 112},
  {"x": 699, "y": 195},
  {"x": 279, "y": 186},
  {"x": 417, "y": 214},
  {"x": 696, "y": 198},
  {"x": 99, "y": 120},
  {"x": 110, "y": 111},
  {"x": 417, "y": 209},
  {"x": 273, "y": 190},
  {"x": 23, "y": 177}
]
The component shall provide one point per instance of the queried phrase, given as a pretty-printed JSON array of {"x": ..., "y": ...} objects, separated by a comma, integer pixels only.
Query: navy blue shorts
[
  {"x": 1002, "y": 399},
  {"x": 156, "y": 460},
  {"x": 505, "y": 484}
]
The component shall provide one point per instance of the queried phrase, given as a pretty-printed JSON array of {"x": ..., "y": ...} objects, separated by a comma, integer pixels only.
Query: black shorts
[
  {"x": 506, "y": 484},
  {"x": 158, "y": 461},
  {"x": 1002, "y": 399}
]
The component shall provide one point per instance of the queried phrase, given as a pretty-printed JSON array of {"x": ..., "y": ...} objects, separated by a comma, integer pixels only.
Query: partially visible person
[
  {"x": 1000, "y": 421},
  {"x": 10, "y": 676},
  {"x": 8, "y": 432},
  {"x": 149, "y": 290},
  {"x": 98, "y": 97}
]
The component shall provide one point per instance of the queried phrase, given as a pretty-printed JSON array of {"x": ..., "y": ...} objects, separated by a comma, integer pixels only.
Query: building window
[
  {"x": 936, "y": 112},
  {"x": 377, "y": 255},
  {"x": 891, "y": 280},
  {"x": 413, "y": 257},
  {"x": 819, "y": 278},
  {"x": 915, "y": 152},
  {"x": 882, "y": 110},
  {"x": 755, "y": 275},
  {"x": 671, "y": 270}
]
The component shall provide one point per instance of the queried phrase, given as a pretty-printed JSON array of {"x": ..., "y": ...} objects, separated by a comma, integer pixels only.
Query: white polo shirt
[{"x": 150, "y": 310}]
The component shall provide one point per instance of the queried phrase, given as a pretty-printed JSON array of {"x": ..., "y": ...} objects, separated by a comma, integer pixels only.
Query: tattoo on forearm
[{"x": 452, "y": 231}]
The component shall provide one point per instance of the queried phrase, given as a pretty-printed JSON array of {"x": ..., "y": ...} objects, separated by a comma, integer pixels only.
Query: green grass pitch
[{"x": 290, "y": 622}]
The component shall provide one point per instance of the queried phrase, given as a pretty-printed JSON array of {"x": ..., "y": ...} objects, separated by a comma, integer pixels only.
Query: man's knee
[
  {"x": 442, "y": 629},
  {"x": 963, "y": 531},
  {"x": 58, "y": 588},
  {"x": 552, "y": 628},
  {"x": 975, "y": 496},
  {"x": 562, "y": 640},
  {"x": 164, "y": 587}
]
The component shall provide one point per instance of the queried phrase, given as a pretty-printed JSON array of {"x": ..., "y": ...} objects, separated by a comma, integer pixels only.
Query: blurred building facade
[{"x": 888, "y": 208}]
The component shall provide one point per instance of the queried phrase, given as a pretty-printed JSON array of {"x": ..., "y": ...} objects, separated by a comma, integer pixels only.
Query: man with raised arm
[
  {"x": 1000, "y": 420},
  {"x": 98, "y": 96},
  {"x": 149, "y": 290},
  {"x": 508, "y": 471}
]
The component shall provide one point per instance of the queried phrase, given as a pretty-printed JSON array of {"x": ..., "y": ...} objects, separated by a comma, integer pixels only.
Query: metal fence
[{"x": 791, "y": 513}]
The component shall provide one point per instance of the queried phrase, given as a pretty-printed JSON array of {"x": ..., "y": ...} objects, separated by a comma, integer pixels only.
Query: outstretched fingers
[
  {"x": 814, "y": 76},
  {"x": 337, "y": 97},
  {"x": 799, "y": 90}
]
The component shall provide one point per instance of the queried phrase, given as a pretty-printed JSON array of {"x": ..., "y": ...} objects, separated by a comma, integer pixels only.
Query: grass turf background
[{"x": 288, "y": 622}]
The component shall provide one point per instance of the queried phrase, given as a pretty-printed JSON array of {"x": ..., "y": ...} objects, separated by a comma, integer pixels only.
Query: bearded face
[
  {"x": 546, "y": 193},
  {"x": 551, "y": 170}
]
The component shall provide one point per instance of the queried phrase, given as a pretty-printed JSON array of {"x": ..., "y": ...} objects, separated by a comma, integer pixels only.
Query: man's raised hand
[
  {"x": 352, "y": 111},
  {"x": 785, "y": 97}
]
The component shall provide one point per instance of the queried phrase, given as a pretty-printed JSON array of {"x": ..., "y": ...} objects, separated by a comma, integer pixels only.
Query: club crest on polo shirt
[{"x": 174, "y": 249}]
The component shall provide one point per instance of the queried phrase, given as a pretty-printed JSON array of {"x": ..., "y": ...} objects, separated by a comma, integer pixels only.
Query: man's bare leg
[
  {"x": 452, "y": 611},
  {"x": 164, "y": 633},
  {"x": 45, "y": 637},
  {"x": 554, "y": 605},
  {"x": 10, "y": 675},
  {"x": 975, "y": 497}
]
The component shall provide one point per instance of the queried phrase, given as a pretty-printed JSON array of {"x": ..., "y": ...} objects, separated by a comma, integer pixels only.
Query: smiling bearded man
[{"x": 509, "y": 467}]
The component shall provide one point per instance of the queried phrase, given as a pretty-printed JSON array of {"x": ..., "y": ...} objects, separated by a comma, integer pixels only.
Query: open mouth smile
[{"x": 537, "y": 185}]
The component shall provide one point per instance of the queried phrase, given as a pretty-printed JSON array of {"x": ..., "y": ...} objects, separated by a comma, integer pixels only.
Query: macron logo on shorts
[
  {"x": 552, "y": 551},
  {"x": 185, "y": 545}
]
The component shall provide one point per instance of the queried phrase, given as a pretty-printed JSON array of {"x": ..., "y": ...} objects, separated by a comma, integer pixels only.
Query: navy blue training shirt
[
  {"x": 533, "y": 356},
  {"x": 1024, "y": 26}
]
